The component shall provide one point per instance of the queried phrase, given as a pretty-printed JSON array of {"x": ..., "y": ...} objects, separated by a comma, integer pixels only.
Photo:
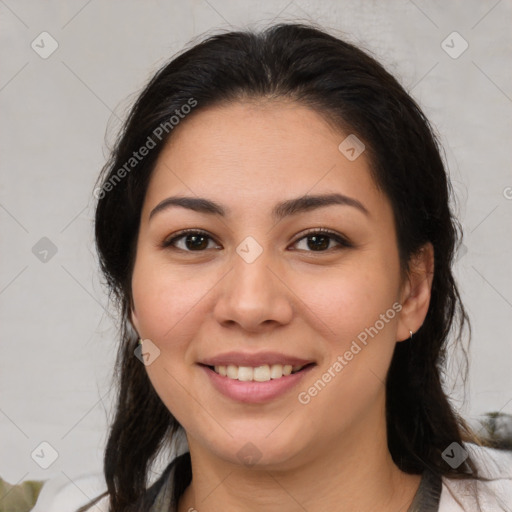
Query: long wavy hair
[{"x": 351, "y": 90}]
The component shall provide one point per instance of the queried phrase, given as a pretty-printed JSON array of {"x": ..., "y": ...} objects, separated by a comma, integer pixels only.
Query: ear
[{"x": 416, "y": 291}]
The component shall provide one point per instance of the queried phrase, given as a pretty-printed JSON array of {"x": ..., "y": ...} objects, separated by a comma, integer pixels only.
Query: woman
[{"x": 275, "y": 225}]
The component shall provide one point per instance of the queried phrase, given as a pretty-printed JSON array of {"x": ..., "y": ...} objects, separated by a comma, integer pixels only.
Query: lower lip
[{"x": 251, "y": 392}]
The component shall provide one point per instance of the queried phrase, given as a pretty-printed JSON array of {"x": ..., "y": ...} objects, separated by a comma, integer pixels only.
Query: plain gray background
[{"x": 58, "y": 340}]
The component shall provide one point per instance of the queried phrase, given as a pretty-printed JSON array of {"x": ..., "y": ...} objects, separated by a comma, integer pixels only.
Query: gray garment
[
  {"x": 428, "y": 494},
  {"x": 172, "y": 484}
]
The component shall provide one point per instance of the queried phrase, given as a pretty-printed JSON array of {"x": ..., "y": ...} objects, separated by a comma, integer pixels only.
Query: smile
[
  {"x": 261, "y": 373},
  {"x": 255, "y": 384}
]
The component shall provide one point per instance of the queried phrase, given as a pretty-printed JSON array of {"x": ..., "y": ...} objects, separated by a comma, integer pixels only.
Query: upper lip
[{"x": 254, "y": 360}]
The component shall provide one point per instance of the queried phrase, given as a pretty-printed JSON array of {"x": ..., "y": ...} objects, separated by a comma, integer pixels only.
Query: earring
[
  {"x": 410, "y": 332},
  {"x": 139, "y": 342}
]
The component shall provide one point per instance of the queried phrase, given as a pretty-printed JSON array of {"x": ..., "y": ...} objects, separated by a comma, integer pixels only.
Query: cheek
[
  {"x": 344, "y": 302},
  {"x": 168, "y": 312},
  {"x": 165, "y": 300},
  {"x": 356, "y": 314},
  {"x": 354, "y": 309}
]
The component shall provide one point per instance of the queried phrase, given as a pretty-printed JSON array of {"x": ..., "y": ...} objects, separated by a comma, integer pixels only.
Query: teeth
[
  {"x": 232, "y": 372},
  {"x": 259, "y": 374},
  {"x": 245, "y": 373},
  {"x": 276, "y": 371}
]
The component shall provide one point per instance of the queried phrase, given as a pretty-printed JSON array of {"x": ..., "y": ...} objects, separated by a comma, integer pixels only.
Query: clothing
[
  {"x": 494, "y": 494},
  {"x": 450, "y": 495},
  {"x": 428, "y": 494}
]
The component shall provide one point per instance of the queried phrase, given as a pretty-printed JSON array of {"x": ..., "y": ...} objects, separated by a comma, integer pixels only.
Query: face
[{"x": 263, "y": 282}]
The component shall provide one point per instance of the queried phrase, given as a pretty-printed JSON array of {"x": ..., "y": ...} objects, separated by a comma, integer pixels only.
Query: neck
[{"x": 352, "y": 472}]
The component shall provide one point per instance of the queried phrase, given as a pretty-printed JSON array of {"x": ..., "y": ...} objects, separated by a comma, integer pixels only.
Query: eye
[
  {"x": 316, "y": 240},
  {"x": 189, "y": 240},
  {"x": 319, "y": 240}
]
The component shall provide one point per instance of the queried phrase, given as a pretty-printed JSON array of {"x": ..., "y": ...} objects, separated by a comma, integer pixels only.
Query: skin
[{"x": 330, "y": 454}]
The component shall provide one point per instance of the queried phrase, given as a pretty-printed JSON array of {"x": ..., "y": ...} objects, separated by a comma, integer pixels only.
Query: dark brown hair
[{"x": 354, "y": 92}]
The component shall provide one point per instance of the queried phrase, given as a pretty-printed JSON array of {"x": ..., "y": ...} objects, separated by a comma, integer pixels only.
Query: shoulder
[{"x": 493, "y": 491}]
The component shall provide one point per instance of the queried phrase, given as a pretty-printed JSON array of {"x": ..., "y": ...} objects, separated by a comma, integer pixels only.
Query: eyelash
[{"x": 342, "y": 241}]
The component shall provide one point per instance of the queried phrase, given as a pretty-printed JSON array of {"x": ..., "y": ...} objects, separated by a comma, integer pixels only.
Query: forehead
[{"x": 258, "y": 151}]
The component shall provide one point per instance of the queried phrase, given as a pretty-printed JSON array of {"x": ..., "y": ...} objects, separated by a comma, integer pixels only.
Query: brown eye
[
  {"x": 190, "y": 241},
  {"x": 320, "y": 240},
  {"x": 317, "y": 240}
]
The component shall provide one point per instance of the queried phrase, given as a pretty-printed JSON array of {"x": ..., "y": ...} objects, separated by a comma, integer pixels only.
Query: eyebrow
[{"x": 280, "y": 211}]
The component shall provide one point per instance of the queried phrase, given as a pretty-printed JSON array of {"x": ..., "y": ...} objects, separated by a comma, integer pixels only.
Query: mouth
[
  {"x": 261, "y": 373},
  {"x": 256, "y": 384},
  {"x": 255, "y": 378}
]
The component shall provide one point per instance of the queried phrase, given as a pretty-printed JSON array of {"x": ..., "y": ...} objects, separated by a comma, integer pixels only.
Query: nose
[{"x": 254, "y": 295}]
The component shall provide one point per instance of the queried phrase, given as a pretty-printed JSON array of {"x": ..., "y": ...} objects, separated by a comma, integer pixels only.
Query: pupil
[
  {"x": 195, "y": 242},
  {"x": 317, "y": 242}
]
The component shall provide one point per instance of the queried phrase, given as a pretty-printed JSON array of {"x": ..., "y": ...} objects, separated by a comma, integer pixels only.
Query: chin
[{"x": 257, "y": 449}]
